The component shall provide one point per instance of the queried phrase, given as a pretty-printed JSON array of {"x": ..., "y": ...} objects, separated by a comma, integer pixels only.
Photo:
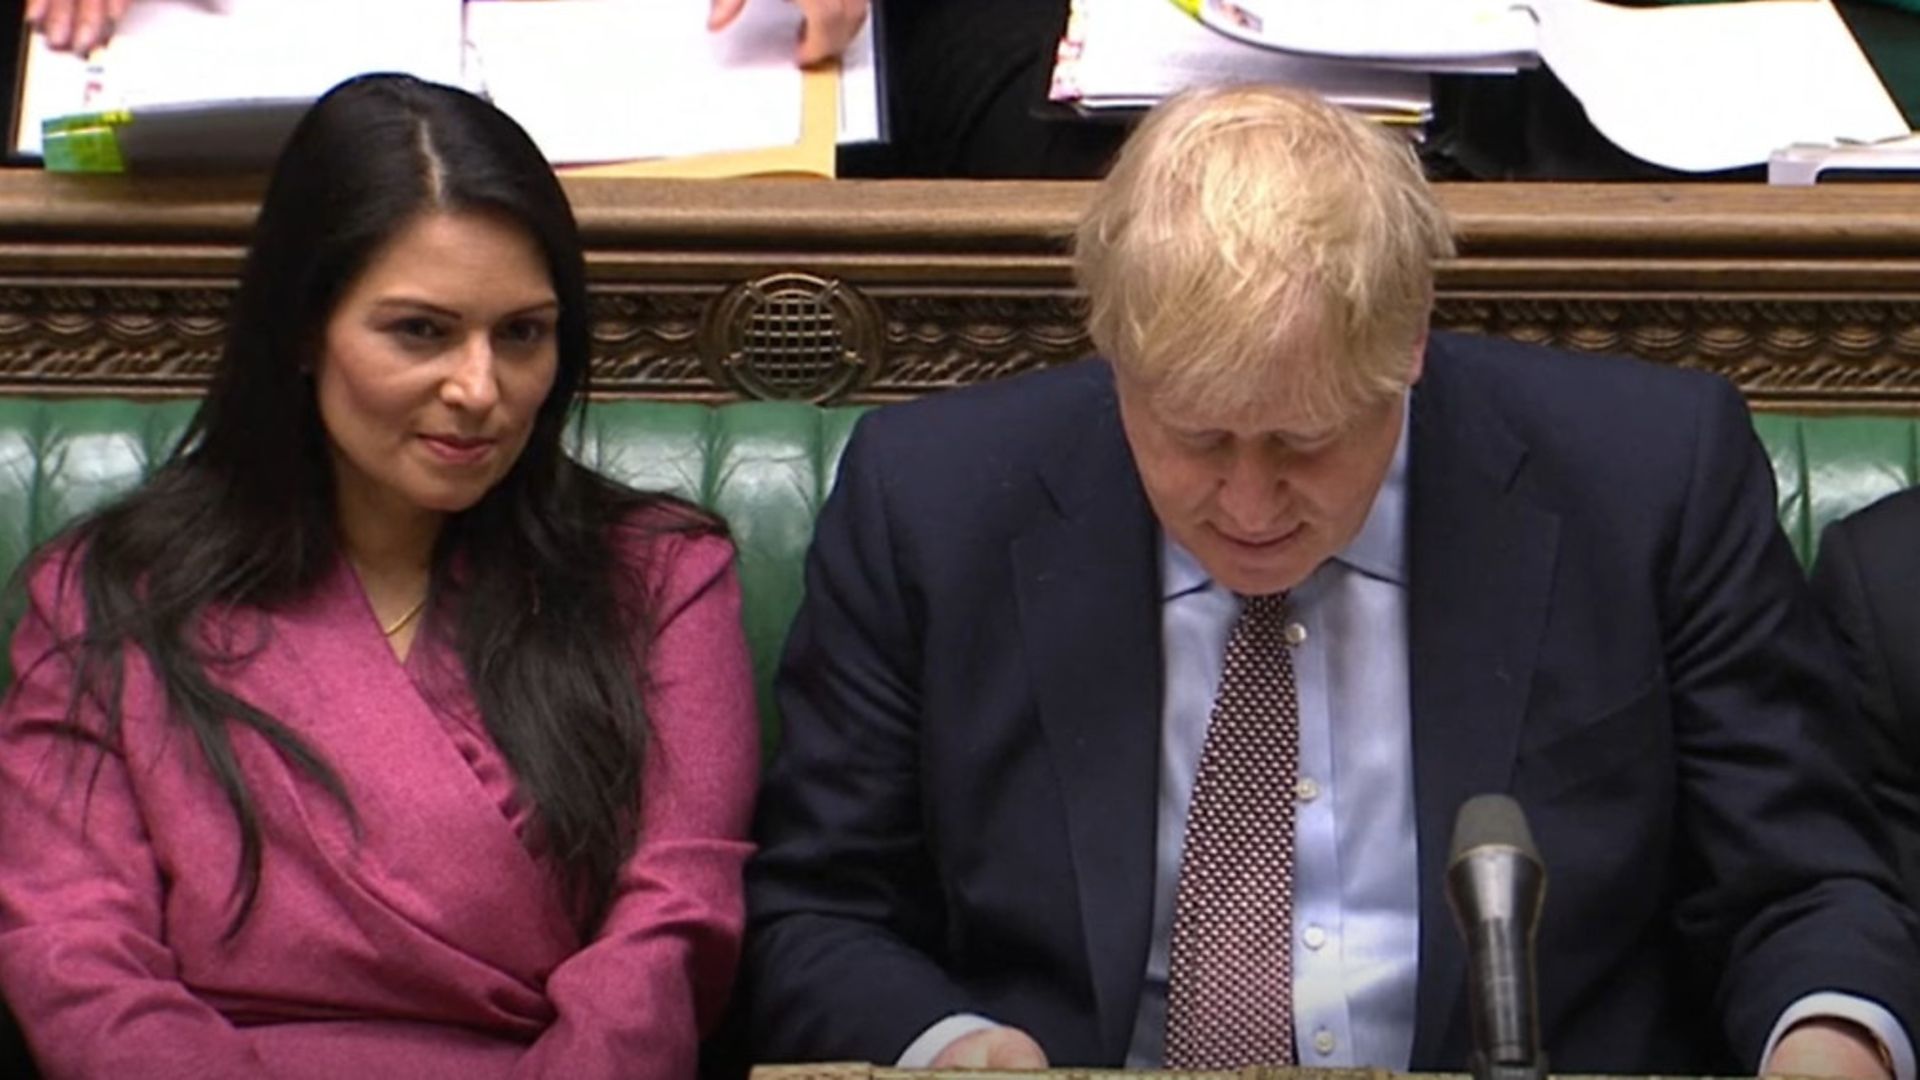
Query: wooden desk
[
  {"x": 877, "y": 290},
  {"x": 859, "y": 1071}
]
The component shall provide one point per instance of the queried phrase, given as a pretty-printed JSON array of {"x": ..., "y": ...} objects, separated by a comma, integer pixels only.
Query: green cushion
[
  {"x": 766, "y": 468},
  {"x": 1826, "y": 467}
]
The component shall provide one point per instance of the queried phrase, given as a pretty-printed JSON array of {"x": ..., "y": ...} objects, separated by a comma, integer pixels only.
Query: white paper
[
  {"x": 1716, "y": 86},
  {"x": 859, "y": 90},
  {"x": 1485, "y": 36},
  {"x": 1135, "y": 52},
  {"x": 620, "y": 80},
  {"x": 174, "y": 51},
  {"x": 1801, "y": 165}
]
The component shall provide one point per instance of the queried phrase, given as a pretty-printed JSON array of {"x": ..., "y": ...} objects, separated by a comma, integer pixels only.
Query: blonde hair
[{"x": 1245, "y": 224}]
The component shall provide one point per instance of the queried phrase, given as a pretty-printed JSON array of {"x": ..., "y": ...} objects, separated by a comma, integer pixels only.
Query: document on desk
[
  {"x": 616, "y": 80},
  {"x": 1694, "y": 87},
  {"x": 169, "y": 52},
  {"x": 1133, "y": 53},
  {"x": 859, "y": 101},
  {"x": 1455, "y": 36},
  {"x": 1716, "y": 86}
]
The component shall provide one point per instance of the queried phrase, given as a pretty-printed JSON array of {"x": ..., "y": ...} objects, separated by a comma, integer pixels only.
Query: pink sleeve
[
  {"x": 83, "y": 954},
  {"x": 636, "y": 999}
]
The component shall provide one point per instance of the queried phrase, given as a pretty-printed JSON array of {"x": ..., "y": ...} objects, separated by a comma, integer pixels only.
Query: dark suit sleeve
[
  {"x": 843, "y": 908},
  {"x": 1867, "y": 582},
  {"x": 1791, "y": 893}
]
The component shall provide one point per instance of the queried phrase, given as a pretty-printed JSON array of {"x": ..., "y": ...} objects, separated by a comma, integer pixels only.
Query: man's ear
[{"x": 1418, "y": 364}]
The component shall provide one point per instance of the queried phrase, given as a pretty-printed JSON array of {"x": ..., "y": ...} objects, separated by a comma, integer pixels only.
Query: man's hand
[
  {"x": 826, "y": 28},
  {"x": 1828, "y": 1047},
  {"x": 79, "y": 25},
  {"x": 993, "y": 1048}
]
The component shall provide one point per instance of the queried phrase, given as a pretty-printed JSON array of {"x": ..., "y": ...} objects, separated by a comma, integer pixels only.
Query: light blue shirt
[{"x": 1356, "y": 913}]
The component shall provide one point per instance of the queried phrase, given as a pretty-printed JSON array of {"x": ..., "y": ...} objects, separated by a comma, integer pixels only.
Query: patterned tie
[{"x": 1230, "y": 975}]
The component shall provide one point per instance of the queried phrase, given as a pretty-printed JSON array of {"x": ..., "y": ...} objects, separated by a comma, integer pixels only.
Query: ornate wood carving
[
  {"x": 123, "y": 336},
  {"x": 791, "y": 336},
  {"x": 936, "y": 342},
  {"x": 1849, "y": 351},
  {"x": 646, "y": 343},
  {"x": 1804, "y": 297}
]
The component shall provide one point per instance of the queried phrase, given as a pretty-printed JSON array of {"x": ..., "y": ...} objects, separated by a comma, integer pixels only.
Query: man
[
  {"x": 1130, "y": 704},
  {"x": 1865, "y": 582}
]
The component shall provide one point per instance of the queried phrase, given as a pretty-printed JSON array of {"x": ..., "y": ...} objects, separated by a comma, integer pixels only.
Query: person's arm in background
[
  {"x": 844, "y": 902},
  {"x": 829, "y": 24},
  {"x": 1795, "y": 904},
  {"x": 1866, "y": 579},
  {"x": 78, "y": 25}
]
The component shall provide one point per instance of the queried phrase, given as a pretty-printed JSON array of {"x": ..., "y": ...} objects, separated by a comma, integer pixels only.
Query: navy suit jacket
[
  {"x": 1867, "y": 579},
  {"x": 1605, "y": 621}
]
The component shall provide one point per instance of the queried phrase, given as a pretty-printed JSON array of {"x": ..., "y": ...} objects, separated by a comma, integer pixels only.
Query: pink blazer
[{"x": 433, "y": 944}]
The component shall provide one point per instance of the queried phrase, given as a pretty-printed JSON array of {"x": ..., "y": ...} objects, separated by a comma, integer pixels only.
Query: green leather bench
[{"x": 766, "y": 468}]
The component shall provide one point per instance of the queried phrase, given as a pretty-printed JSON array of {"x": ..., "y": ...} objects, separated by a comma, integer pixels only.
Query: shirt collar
[{"x": 1379, "y": 550}]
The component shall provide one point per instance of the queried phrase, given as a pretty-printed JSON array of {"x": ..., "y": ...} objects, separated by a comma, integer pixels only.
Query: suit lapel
[
  {"x": 1481, "y": 565},
  {"x": 1090, "y": 622}
]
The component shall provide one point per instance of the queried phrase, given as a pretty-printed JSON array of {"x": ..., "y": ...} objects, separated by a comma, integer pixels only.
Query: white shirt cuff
[
  {"x": 920, "y": 1052},
  {"x": 1837, "y": 1006}
]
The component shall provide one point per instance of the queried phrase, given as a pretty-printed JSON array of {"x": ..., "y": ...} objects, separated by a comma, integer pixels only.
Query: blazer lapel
[
  {"x": 1481, "y": 565},
  {"x": 431, "y": 828},
  {"x": 1090, "y": 622}
]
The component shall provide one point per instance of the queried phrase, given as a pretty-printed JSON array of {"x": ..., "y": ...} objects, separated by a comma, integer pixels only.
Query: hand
[
  {"x": 826, "y": 27},
  {"x": 992, "y": 1048},
  {"x": 1828, "y": 1047},
  {"x": 78, "y": 25}
]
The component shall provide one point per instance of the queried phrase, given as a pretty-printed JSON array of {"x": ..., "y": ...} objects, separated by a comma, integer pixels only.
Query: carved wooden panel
[
  {"x": 1840, "y": 352},
  {"x": 937, "y": 342},
  {"x": 882, "y": 290},
  {"x": 141, "y": 336}
]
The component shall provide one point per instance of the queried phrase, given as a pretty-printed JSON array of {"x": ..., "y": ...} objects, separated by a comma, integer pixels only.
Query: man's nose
[{"x": 1252, "y": 492}]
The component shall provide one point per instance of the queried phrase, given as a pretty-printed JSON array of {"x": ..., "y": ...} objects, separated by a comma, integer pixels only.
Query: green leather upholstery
[
  {"x": 1826, "y": 467},
  {"x": 766, "y": 468}
]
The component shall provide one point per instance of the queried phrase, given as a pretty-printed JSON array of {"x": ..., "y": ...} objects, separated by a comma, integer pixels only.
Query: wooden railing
[{"x": 878, "y": 290}]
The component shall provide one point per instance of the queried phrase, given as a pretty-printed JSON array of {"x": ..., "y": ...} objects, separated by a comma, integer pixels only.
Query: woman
[{"x": 373, "y": 735}]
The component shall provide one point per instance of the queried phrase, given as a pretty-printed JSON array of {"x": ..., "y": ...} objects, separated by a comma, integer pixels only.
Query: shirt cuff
[
  {"x": 1830, "y": 1004},
  {"x": 920, "y": 1052}
]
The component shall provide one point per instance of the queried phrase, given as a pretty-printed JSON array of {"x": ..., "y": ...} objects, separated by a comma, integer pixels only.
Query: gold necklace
[{"x": 400, "y": 623}]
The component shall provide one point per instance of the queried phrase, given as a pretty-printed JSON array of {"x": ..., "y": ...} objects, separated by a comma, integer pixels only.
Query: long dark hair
[{"x": 526, "y": 584}]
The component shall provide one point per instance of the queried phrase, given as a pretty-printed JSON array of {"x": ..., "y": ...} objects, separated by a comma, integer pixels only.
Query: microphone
[{"x": 1495, "y": 884}]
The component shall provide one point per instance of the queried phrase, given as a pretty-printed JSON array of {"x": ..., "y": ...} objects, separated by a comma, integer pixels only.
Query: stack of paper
[
  {"x": 566, "y": 70},
  {"x": 174, "y": 52},
  {"x": 593, "y": 81},
  {"x": 1716, "y": 86},
  {"x": 1133, "y": 53},
  {"x": 1803, "y": 165},
  {"x": 1474, "y": 36},
  {"x": 1695, "y": 87}
]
